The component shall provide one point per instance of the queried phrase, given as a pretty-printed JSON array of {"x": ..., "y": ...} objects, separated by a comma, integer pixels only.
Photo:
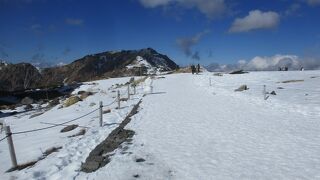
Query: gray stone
[
  {"x": 273, "y": 93},
  {"x": 27, "y": 100},
  {"x": 140, "y": 160},
  {"x": 90, "y": 166},
  {"x": 242, "y": 88},
  {"x": 69, "y": 128}
]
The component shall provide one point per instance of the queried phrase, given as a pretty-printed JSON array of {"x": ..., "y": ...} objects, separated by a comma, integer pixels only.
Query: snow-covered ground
[{"x": 187, "y": 129}]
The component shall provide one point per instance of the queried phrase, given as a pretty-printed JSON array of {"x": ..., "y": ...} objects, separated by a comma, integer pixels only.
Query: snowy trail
[
  {"x": 198, "y": 135},
  {"x": 187, "y": 129}
]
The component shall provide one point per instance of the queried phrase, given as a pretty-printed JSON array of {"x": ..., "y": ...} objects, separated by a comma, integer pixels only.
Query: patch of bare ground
[{"x": 100, "y": 155}]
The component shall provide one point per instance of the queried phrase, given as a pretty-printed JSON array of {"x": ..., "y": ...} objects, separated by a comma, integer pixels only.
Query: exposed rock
[
  {"x": 140, "y": 160},
  {"x": 131, "y": 80},
  {"x": 292, "y": 81},
  {"x": 69, "y": 128},
  {"x": 242, "y": 88},
  {"x": 218, "y": 74},
  {"x": 71, "y": 100},
  {"x": 280, "y": 88},
  {"x": 100, "y": 155},
  {"x": 106, "y": 111},
  {"x": 54, "y": 102},
  {"x": 28, "y": 107},
  {"x": 92, "y": 104},
  {"x": 81, "y": 92},
  {"x": 238, "y": 72},
  {"x": 273, "y": 93},
  {"x": 85, "y": 95},
  {"x": 19, "y": 77},
  {"x": 27, "y": 100}
]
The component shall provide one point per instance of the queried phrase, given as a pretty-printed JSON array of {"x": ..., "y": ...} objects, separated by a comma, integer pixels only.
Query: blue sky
[{"x": 205, "y": 31}]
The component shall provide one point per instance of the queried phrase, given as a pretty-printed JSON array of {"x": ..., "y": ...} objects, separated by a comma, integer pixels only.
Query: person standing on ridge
[
  {"x": 198, "y": 68},
  {"x": 193, "y": 69}
]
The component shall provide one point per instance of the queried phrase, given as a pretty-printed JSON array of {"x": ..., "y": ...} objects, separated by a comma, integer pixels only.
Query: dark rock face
[
  {"x": 18, "y": 77},
  {"x": 22, "y": 76}
]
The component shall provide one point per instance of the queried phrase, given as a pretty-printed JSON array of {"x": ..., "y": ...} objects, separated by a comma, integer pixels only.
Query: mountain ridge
[{"x": 106, "y": 64}]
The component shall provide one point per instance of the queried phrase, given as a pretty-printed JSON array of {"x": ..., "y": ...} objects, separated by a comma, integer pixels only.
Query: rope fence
[
  {"x": 3, "y": 138},
  {"x": 49, "y": 127},
  {"x": 9, "y": 133}
]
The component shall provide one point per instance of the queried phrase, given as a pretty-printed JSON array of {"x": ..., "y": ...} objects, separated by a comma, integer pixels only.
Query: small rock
[
  {"x": 71, "y": 100},
  {"x": 106, "y": 111},
  {"x": 218, "y": 74},
  {"x": 81, "y": 92},
  {"x": 69, "y": 128},
  {"x": 28, "y": 107},
  {"x": 280, "y": 88},
  {"x": 140, "y": 160},
  {"x": 238, "y": 72},
  {"x": 27, "y": 100},
  {"x": 85, "y": 95},
  {"x": 136, "y": 176},
  {"x": 131, "y": 80},
  {"x": 242, "y": 88},
  {"x": 54, "y": 102},
  {"x": 273, "y": 93},
  {"x": 90, "y": 166},
  {"x": 92, "y": 104}
]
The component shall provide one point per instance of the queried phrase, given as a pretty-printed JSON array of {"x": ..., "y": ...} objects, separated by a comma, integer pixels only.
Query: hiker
[
  {"x": 198, "y": 68},
  {"x": 193, "y": 69}
]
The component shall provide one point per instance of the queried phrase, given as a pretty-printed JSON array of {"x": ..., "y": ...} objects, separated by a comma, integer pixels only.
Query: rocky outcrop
[{"x": 20, "y": 76}]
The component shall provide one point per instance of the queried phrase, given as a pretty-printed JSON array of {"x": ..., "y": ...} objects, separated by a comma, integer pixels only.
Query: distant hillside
[{"x": 108, "y": 64}]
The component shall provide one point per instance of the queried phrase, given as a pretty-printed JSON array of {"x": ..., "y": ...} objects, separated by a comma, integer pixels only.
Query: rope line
[
  {"x": 3, "y": 138},
  {"x": 110, "y": 103},
  {"x": 49, "y": 127}
]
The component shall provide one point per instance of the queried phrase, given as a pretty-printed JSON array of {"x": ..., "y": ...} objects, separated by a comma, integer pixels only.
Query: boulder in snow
[
  {"x": 242, "y": 88},
  {"x": 27, "y": 100}
]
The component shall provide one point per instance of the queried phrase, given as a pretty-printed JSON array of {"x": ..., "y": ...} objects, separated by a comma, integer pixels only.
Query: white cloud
[
  {"x": 256, "y": 20},
  {"x": 271, "y": 63},
  {"x": 210, "y": 8}
]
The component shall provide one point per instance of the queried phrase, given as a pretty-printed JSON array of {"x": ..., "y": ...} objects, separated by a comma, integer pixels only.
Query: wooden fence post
[
  {"x": 118, "y": 97},
  {"x": 101, "y": 114},
  {"x": 11, "y": 147},
  {"x": 264, "y": 92},
  {"x": 128, "y": 91},
  {"x": 134, "y": 89},
  {"x": 210, "y": 81}
]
